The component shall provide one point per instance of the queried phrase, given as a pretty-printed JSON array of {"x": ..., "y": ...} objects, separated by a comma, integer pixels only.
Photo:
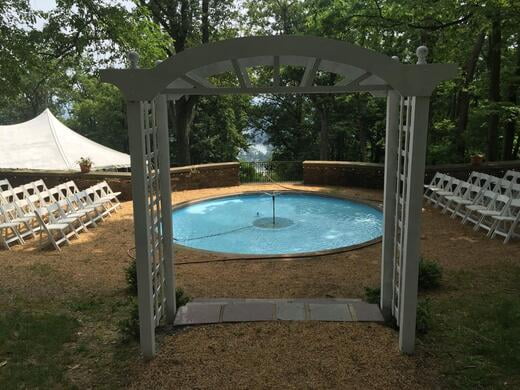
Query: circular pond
[{"x": 275, "y": 223}]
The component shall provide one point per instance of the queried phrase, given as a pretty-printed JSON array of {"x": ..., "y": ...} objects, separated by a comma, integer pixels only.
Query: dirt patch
[
  {"x": 287, "y": 355},
  {"x": 283, "y": 355}
]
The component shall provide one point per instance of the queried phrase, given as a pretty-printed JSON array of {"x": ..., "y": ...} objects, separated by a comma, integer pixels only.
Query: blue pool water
[{"x": 243, "y": 224}]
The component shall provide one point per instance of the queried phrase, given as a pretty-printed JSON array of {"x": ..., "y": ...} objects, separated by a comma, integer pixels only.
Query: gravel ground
[{"x": 261, "y": 355}]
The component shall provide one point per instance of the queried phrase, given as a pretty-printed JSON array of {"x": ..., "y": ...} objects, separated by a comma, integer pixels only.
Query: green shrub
[
  {"x": 372, "y": 295},
  {"x": 424, "y": 316},
  {"x": 181, "y": 298},
  {"x": 129, "y": 327},
  {"x": 131, "y": 278},
  {"x": 430, "y": 274}
]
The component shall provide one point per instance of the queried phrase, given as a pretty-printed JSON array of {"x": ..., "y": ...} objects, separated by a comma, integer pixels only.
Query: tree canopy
[{"x": 52, "y": 58}]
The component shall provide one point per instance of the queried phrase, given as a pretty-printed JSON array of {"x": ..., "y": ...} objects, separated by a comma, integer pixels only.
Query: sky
[{"x": 43, "y": 5}]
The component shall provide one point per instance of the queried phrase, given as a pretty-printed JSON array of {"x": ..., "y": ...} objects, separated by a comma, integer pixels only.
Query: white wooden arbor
[{"x": 407, "y": 89}]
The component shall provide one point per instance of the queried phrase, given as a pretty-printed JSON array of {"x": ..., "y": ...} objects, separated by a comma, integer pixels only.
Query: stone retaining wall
[
  {"x": 183, "y": 178},
  {"x": 337, "y": 173},
  {"x": 205, "y": 176},
  {"x": 369, "y": 175}
]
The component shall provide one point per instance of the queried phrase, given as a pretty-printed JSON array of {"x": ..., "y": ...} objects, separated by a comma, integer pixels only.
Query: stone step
[
  {"x": 273, "y": 300},
  {"x": 218, "y": 310}
]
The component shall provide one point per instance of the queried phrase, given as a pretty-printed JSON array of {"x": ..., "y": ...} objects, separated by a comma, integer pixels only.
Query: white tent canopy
[{"x": 46, "y": 143}]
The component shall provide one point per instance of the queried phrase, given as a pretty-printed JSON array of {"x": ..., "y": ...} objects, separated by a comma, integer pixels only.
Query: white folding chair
[
  {"x": 439, "y": 183},
  {"x": 513, "y": 191},
  {"x": 496, "y": 208},
  {"x": 12, "y": 195},
  {"x": 25, "y": 209},
  {"x": 498, "y": 185},
  {"x": 4, "y": 195},
  {"x": 451, "y": 189},
  {"x": 57, "y": 232},
  {"x": 87, "y": 215},
  {"x": 434, "y": 184},
  {"x": 50, "y": 196},
  {"x": 474, "y": 178},
  {"x": 84, "y": 201},
  {"x": 464, "y": 194},
  {"x": 506, "y": 224},
  {"x": 513, "y": 176},
  {"x": 72, "y": 187},
  {"x": 482, "y": 202},
  {"x": 9, "y": 232},
  {"x": 63, "y": 214},
  {"x": 103, "y": 193},
  {"x": 5, "y": 185},
  {"x": 12, "y": 214}
]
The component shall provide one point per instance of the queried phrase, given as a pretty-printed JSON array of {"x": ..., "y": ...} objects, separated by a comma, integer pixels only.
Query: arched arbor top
[{"x": 357, "y": 69}]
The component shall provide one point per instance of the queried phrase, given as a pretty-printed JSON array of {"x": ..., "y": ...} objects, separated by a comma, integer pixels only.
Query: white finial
[
  {"x": 422, "y": 54},
  {"x": 395, "y": 58},
  {"x": 133, "y": 58}
]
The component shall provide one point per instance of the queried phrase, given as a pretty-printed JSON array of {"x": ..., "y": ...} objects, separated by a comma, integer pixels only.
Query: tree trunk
[
  {"x": 510, "y": 127},
  {"x": 184, "y": 114},
  {"x": 324, "y": 133},
  {"x": 494, "y": 58},
  {"x": 205, "y": 21},
  {"x": 464, "y": 97},
  {"x": 362, "y": 131}
]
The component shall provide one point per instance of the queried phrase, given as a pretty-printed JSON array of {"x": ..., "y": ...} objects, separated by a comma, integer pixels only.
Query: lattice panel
[
  {"x": 153, "y": 207},
  {"x": 402, "y": 183}
]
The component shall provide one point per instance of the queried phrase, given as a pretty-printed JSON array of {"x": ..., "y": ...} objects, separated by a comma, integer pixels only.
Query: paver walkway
[{"x": 210, "y": 311}]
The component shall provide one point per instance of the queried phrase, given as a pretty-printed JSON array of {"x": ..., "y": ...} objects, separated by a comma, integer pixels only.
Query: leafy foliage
[
  {"x": 129, "y": 326},
  {"x": 424, "y": 316},
  {"x": 373, "y": 294},
  {"x": 430, "y": 274},
  {"x": 50, "y": 59}
]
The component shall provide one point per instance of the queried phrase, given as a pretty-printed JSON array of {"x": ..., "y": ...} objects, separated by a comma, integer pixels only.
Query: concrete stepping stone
[
  {"x": 216, "y": 310},
  {"x": 291, "y": 311},
  {"x": 198, "y": 314},
  {"x": 329, "y": 312},
  {"x": 248, "y": 311},
  {"x": 366, "y": 312}
]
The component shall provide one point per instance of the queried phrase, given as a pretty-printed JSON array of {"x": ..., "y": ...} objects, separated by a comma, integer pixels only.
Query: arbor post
[
  {"x": 391, "y": 157},
  {"x": 166, "y": 206},
  {"x": 141, "y": 228},
  {"x": 413, "y": 207}
]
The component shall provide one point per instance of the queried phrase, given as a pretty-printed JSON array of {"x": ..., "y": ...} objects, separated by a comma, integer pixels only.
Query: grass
[
  {"x": 476, "y": 330},
  {"x": 45, "y": 349},
  {"x": 32, "y": 347}
]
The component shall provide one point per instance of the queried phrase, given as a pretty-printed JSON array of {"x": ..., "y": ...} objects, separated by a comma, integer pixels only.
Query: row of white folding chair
[
  {"x": 66, "y": 217},
  {"x": 70, "y": 215},
  {"x": 99, "y": 199},
  {"x": 79, "y": 209},
  {"x": 23, "y": 191},
  {"x": 498, "y": 214},
  {"x": 479, "y": 200},
  {"x": 443, "y": 186},
  {"x": 39, "y": 195}
]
